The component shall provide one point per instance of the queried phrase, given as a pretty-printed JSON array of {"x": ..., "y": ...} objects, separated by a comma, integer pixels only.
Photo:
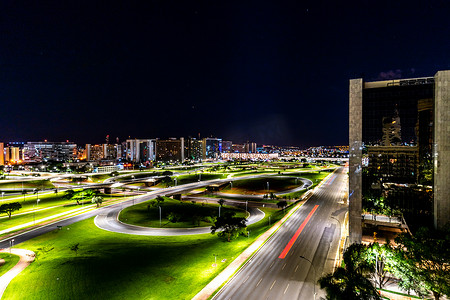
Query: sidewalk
[{"x": 26, "y": 257}]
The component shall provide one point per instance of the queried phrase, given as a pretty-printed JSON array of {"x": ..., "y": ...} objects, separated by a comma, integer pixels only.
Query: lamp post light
[
  {"x": 231, "y": 183},
  {"x": 267, "y": 187},
  {"x": 11, "y": 243},
  {"x": 159, "y": 216},
  {"x": 269, "y": 220},
  {"x": 219, "y": 210},
  {"x": 175, "y": 182},
  {"x": 246, "y": 205},
  {"x": 314, "y": 269},
  {"x": 215, "y": 260},
  {"x": 3, "y": 194}
]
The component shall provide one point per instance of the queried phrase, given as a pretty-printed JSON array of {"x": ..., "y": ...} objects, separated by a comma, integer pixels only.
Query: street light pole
[
  {"x": 159, "y": 216},
  {"x": 246, "y": 204},
  {"x": 11, "y": 243},
  {"x": 314, "y": 269},
  {"x": 340, "y": 235}
]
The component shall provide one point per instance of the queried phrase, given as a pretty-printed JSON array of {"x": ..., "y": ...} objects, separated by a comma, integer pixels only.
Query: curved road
[
  {"x": 110, "y": 222},
  {"x": 22, "y": 237}
]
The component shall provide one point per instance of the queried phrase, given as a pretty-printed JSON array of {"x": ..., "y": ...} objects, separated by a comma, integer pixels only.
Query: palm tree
[{"x": 350, "y": 282}]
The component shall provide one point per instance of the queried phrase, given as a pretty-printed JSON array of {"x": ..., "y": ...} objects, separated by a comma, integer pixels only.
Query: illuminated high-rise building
[{"x": 400, "y": 149}]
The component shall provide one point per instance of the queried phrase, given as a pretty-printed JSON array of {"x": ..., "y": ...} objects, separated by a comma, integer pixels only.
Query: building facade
[
  {"x": 399, "y": 148},
  {"x": 170, "y": 150},
  {"x": 212, "y": 147},
  {"x": 55, "y": 151},
  {"x": 140, "y": 150}
]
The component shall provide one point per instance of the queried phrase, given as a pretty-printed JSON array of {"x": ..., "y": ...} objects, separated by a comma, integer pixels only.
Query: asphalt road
[
  {"x": 270, "y": 275},
  {"x": 19, "y": 238},
  {"x": 109, "y": 222}
]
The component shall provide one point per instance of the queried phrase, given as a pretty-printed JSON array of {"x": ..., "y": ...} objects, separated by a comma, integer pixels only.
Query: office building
[
  {"x": 2, "y": 154},
  {"x": 193, "y": 149},
  {"x": 212, "y": 147},
  {"x": 54, "y": 151},
  {"x": 140, "y": 150},
  {"x": 170, "y": 150},
  {"x": 399, "y": 134}
]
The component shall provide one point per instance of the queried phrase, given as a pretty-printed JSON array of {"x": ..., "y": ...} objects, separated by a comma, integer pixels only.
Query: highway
[{"x": 277, "y": 271}]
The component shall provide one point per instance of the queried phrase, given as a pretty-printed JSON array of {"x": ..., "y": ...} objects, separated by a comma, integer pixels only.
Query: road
[
  {"x": 19, "y": 238},
  {"x": 277, "y": 271}
]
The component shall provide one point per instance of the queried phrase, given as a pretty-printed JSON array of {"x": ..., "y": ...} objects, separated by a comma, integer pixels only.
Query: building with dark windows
[
  {"x": 212, "y": 147},
  {"x": 55, "y": 151},
  {"x": 170, "y": 150},
  {"x": 399, "y": 155},
  {"x": 193, "y": 149},
  {"x": 140, "y": 150}
]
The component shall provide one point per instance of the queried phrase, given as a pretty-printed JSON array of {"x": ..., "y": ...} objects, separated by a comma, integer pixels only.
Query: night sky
[{"x": 238, "y": 70}]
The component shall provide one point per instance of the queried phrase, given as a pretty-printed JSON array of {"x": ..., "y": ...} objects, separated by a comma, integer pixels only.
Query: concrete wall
[
  {"x": 355, "y": 170},
  {"x": 442, "y": 149}
]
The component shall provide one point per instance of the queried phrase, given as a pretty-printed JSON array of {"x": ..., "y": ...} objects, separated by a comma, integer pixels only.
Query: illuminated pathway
[{"x": 26, "y": 257}]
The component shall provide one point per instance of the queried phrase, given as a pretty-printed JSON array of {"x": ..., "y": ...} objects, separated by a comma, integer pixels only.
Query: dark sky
[{"x": 271, "y": 73}]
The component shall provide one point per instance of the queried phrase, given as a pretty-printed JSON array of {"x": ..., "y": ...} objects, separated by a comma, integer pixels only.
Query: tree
[
  {"x": 381, "y": 258},
  {"x": 24, "y": 192},
  {"x": 282, "y": 204},
  {"x": 97, "y": 200},
  {"x": 166, "y": 180},
  {"x": 75, "y": 248},
  {"x": 229, "y": 226},
  {"x": 173, "y": 217},
  {"x": 221, "y": 202},
  {"x": 69, "y": 194},
  {"x": 8, "y": 208},
  {"x": 350, "y": 282},
  {"x": 159, "y": 200},
  {"x": 425, "y": 258}
]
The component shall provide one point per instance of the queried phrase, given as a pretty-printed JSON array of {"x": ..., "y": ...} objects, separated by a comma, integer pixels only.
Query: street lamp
[
  {"x": 175, "y": 182},
  {"x": 3, "y": 194},
  {"x": 267, "y": 187},
  {"x": 159, "y": 216},
  {"x": 246, "y": 204},
  {"x": 314, "y": 269},
  {"x": 11, "y": 243},
  {"x": 219, "y": 210}
]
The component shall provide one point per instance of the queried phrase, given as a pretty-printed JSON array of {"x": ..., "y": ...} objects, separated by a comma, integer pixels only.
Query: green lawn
[
  {"x": 144, "y": 215},
  {"x": 41, "y": 184},
  {"x": 259, "y": 185},
  {"x": 118, "y": 266},
  {"x": 190, "y": 178},
  {"x": 10, "y": 261},
  {"x": 55, "y": 202}
]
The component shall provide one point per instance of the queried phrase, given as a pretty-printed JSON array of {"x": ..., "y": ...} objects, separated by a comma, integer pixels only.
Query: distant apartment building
[
  {"x": 400, "y": 148},
  {"x": 193, "y": 149},
  {"x": 2, "y": 154},
  {"x": 170, "y": 150},
  {"x": 250, "y": 147},
  {"x": 227, "y": 146},
  {"x": 140, "y": 150},
  {"x": 56, "y": 151},
  {"x": 212, "y": 147},
  {"x": 13, "y": 155},
  {"x": 238, "y": 148},
  {"x": 103, "y": 152},
  {"x": 250, "y": 156}
]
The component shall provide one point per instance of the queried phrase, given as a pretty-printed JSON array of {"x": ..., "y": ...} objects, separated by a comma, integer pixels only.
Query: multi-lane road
[{"x": 277, "y": 270}]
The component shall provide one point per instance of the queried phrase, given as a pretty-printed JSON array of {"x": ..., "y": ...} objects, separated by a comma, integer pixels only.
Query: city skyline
[{"x": 273, "y": 74}]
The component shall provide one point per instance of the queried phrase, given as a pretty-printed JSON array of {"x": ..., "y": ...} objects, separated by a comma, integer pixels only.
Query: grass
[
  {"x": 259, "y": 185},
  {"x": 46, "y": 184},
  {"x": 144, "y": 215},
  {"x": 100, "y": 177},
  {"x": 54, "y": 202},
  {"x": 118, "y": 266},
  {"x": 10, "y": 261}
]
